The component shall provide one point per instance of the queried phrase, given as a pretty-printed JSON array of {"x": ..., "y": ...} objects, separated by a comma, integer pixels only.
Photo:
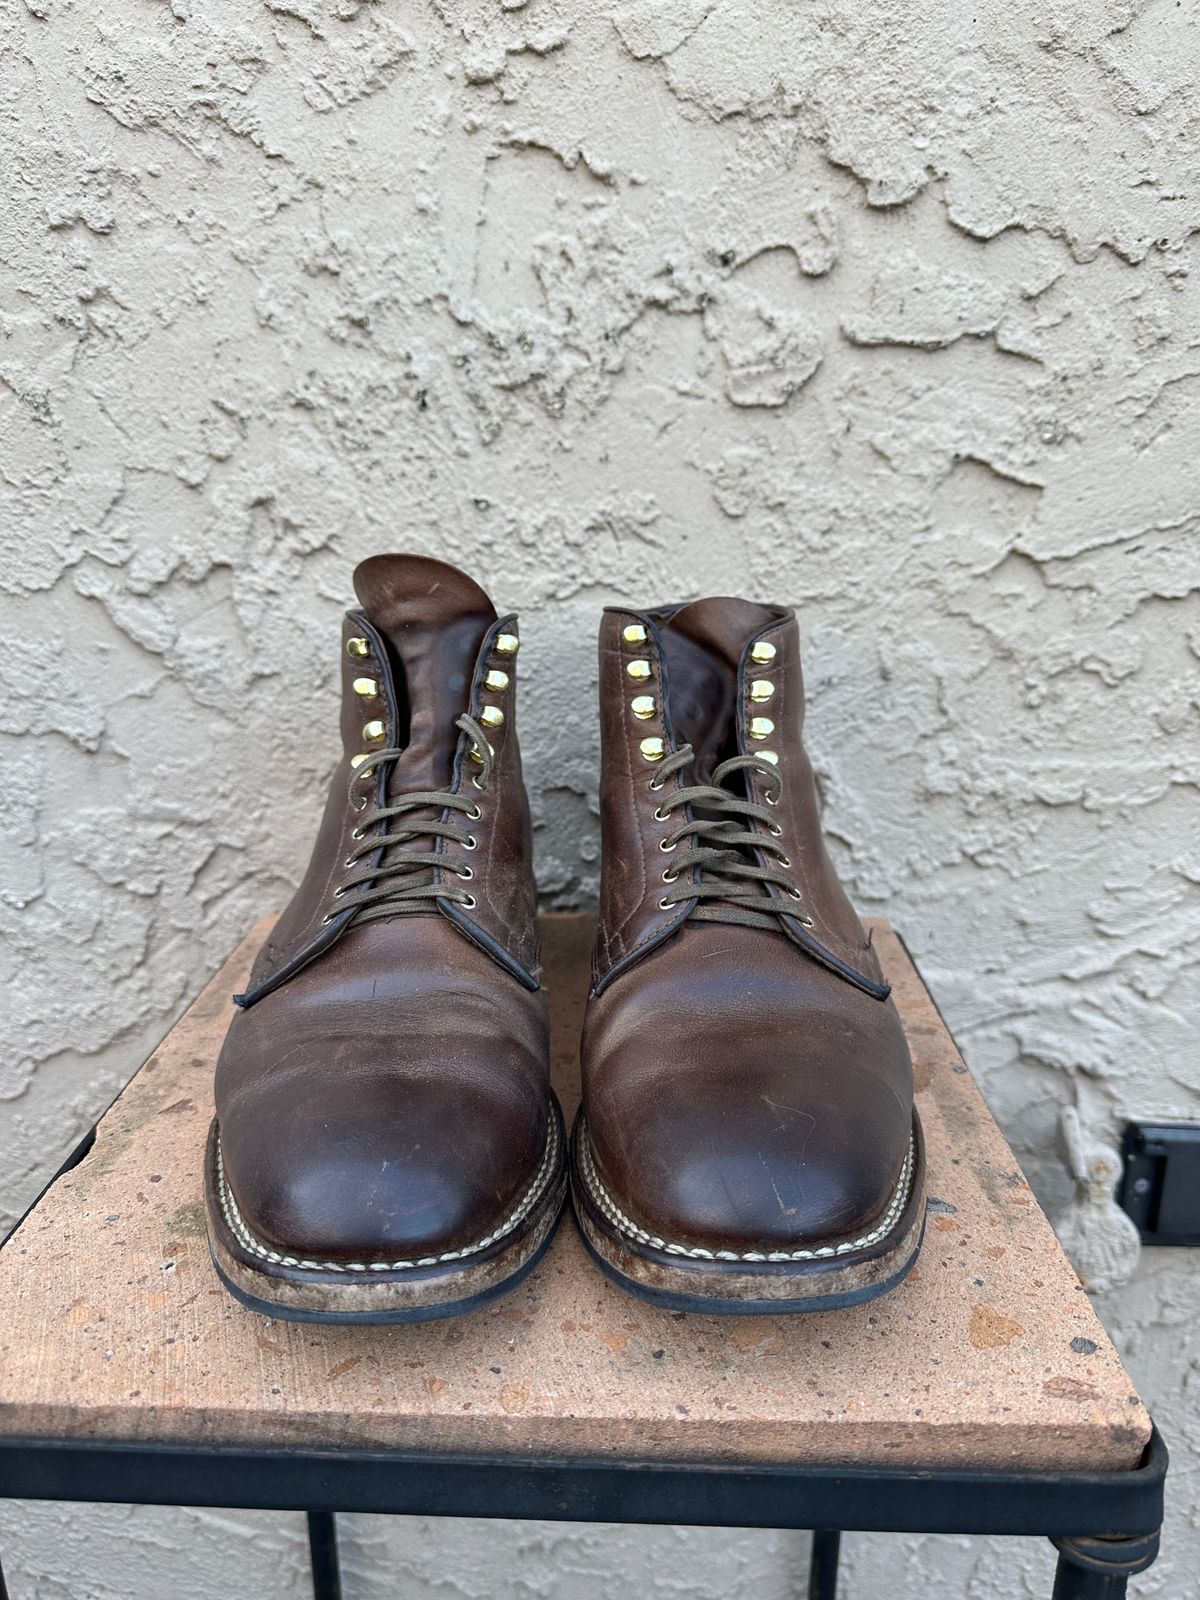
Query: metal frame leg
[
  {"x": 1099, "y": 1569},
  {"x": 323, "y": 1552},
  {"x": 390, "y": 1483},
  {"x": 1088, "y": 1568},
  {"x": 823, "y": 1564}
]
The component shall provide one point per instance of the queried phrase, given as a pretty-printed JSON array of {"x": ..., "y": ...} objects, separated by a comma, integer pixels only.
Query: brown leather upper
[
  {"x": 744, "y": 1087},
  {"x": 383, "y": 1088}
]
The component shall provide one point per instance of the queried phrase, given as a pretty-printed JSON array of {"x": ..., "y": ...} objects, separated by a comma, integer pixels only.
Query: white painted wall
[{"x": 886, "y": 311}]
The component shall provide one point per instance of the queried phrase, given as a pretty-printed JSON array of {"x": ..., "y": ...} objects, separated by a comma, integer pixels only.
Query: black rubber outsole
[
  {"x": 413, "y": 1314},
  {"x": 670, "y": 1300},
  {"x": 608, "y": 1247}
]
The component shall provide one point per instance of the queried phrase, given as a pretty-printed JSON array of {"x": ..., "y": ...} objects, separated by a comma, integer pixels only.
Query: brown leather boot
[
  {"x": 747, "y": 1140},
  {"x": 386, "y": 1146}
]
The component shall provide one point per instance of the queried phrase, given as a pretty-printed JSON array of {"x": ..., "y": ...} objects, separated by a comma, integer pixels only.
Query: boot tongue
[
  {"x": 434, "y": 619},
  {"x": 704, "y": 643}
]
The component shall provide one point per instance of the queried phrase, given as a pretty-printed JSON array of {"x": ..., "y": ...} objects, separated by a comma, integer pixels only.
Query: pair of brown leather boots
[{"x": 387, "y": 1147}]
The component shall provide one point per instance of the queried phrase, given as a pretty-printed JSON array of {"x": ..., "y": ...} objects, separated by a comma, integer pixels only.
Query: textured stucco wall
[{"x": 887, "y": 311}]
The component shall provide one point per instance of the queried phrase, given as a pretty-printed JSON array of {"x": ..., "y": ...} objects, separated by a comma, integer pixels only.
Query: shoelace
[
  {"x": 408, "y": 879},
  {"x": 732, "y": 887}
]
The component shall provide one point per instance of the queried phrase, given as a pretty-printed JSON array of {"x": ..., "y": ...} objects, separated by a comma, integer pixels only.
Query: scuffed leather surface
[
  {"x": 389, "y": 1099},
  {"x": 301, "y": 929},
  {"x": 434, "y": 620},
  {"x": 390, "y": 1096},
  {"x": 502, "y": 861},
  {"x": 739, "y": 1093},
  {"x": 837, "y": 926},
  {"x": 429, "y": 671},
  {"x": 630, "y": 877}
]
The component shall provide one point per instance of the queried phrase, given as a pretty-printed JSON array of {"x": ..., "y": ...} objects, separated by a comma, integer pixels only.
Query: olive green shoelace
[
  {"x": 404, "y": 880},
  {"x": 730, "y": 886}
]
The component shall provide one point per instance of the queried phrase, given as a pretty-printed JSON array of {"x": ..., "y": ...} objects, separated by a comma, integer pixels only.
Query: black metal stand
[
  {"x": 1098, "y": 1568},
  {"x": 823, "y": 1564},
  {"x": 1117, "y": 1515},
  {"x": 323, "y": 1550}
]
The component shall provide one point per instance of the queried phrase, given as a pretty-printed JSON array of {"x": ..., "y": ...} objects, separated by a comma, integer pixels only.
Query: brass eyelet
[
  {"x": 666, "y": 905},
  {"x": 468, "y": 902},
  {"x": 471, "y": 843},
  {"x": 655, "y": 787},
  {"x": 667, "y": 848},
  {"x": 358, "y": 802},
  {"x": 475, "y": 784},
  {"x": 669, "y": 876},
  {"x": 465, "y": 872},
  {"x": 659, "y": 814},
  {"x": 475, "y": 812},
  {"x": 356, "y": 833}
]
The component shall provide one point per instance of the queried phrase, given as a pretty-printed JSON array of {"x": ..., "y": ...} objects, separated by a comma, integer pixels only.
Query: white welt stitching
[
  {"x": 625, "y": 1224},
  {"x": 247, "y": 1240}
]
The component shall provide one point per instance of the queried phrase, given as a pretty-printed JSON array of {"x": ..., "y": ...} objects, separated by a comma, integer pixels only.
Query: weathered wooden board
[{"x": 113, "y": 1324}]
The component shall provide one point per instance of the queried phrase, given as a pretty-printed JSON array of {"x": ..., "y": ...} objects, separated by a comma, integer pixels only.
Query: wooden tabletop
[{"x": 113, "y": 1324}]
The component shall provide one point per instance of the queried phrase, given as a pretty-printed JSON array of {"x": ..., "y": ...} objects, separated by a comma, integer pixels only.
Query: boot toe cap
[
  {"x": 783, "y": 1129},
  {"x": 750, "y": 1184},
  {"x": 376, "y": 1178}
]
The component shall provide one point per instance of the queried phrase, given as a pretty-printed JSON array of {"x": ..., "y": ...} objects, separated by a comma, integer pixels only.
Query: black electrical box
[{"x": 1160, "y": 1185}]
